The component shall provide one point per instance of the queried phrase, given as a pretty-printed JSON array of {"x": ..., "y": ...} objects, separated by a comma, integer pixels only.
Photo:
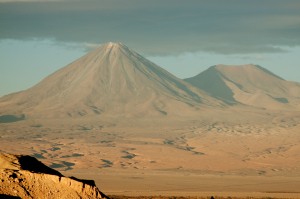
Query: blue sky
[{"x": 184, "y": 37}]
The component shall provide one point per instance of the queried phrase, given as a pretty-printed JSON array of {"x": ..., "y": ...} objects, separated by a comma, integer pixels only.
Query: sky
[{"x": 37, "y": 37}]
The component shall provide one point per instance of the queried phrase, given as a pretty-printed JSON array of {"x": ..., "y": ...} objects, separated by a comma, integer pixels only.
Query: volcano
[
  {"x": 111, "y": 80},
  {"x": 248, "y": 84}
]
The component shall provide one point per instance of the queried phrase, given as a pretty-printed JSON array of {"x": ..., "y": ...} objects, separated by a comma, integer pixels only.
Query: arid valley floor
[{"x": 247, "y": 154}]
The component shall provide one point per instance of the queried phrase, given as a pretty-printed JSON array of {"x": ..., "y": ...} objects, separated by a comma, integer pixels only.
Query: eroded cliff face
[{"x": 21, "y": 183}]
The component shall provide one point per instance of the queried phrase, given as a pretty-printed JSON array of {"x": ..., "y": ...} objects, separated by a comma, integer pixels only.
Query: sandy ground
[
  {"x": 219, "y": 154},
  {"x": 149, "y": 183}
]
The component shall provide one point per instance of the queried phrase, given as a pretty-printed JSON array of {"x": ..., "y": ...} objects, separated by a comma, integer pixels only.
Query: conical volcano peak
[
  {"x": 111, "y": 80},
  {"x": 114, "y": 48},
  {"x": 114, "y": 45}
]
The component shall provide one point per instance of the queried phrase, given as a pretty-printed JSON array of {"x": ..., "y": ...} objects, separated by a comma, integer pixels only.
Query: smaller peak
[
  {"x": 245, "y": 68},
  {"x": 212, "y": 67},
  {"x": 223, "y": 66},
  {"x": 217, "y": 67},
  {"x": 251, "y": 66}
]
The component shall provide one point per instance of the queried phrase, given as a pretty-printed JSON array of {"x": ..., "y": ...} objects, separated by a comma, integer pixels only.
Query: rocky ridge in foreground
[{"x": 26, "y": 177}]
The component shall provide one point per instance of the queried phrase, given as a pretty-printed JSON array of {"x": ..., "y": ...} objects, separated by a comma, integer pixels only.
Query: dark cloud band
[{"x": 160, "y": 27}]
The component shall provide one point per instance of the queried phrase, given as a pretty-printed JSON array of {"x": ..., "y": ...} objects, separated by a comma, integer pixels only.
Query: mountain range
[{"x": 116, "y": 81}]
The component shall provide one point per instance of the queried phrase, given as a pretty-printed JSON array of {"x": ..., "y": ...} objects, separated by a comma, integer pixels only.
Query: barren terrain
[{"x": 244, "y": 154}]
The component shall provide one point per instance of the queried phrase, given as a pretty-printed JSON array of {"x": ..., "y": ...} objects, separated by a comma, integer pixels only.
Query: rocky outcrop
[{"x": 26, "y": 177}]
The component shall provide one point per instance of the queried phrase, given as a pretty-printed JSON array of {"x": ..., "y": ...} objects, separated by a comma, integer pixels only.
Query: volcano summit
[{"x": 111, "y": 80}]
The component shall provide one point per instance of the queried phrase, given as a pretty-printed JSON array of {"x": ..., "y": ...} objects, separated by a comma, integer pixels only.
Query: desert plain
[{"x": 246, "y": 154}]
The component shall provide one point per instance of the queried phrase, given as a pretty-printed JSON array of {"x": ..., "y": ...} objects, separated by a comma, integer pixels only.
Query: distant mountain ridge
[
  {"x": 115, "y": 81},
  {"x": 249, "y": 85}
]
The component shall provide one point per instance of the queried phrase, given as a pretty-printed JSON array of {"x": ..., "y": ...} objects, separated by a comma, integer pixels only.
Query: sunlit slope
[{"x": 112, "y": 80}]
